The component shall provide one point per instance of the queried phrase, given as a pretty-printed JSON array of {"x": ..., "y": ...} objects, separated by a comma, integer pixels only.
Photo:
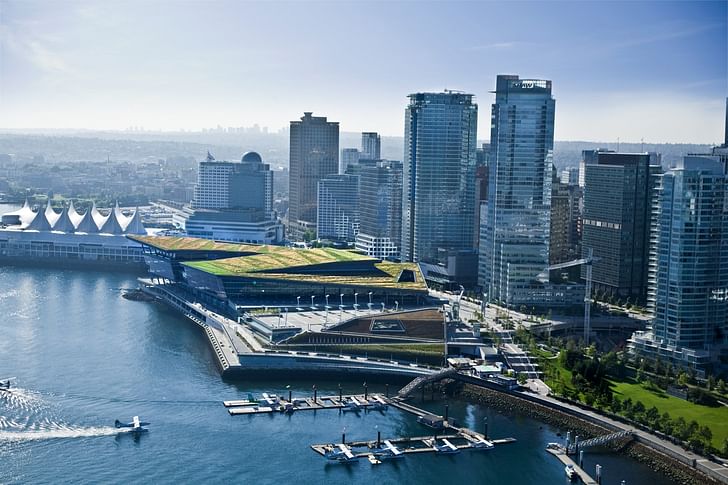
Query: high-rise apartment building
[
  {"x": 618, "y": 197},
  {"x": 380, "y": 210},
  {"x": 338, "y": 208},
  {"x": 371, "y": 146},
  {"x": 314, "y": 154},
  {"x": 438, "y": 176},
  {"x": 688, "y": 294},
  {"x": 233, "y": 201},
  {"x": 514, "y": 250}
]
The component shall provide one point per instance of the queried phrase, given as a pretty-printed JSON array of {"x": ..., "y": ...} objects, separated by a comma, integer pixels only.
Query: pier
[
  {"x": 566, "y": 460},
  {"x": 446, "y": 437}
]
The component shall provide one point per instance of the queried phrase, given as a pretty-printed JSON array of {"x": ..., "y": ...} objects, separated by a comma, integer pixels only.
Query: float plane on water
[
  {"x": 5, "y": 384},
  {"x": 135, "y": 425}
]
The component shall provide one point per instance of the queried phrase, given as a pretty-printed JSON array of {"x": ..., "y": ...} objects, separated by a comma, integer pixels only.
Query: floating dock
[
  {"x": 274, "y": 404},
  {"x": 566, "y": 460}
]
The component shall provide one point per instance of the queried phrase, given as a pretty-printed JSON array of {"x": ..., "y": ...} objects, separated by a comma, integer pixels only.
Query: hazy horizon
[{"x": 630, "y": 70}]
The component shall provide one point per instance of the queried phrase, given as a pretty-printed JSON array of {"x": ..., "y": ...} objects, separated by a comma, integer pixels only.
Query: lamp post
[
  {"x": 356, "y": 303},
  {"x": 396, "y": 306},
  {"x": 327, "y": 301},
  {"x": 285, "y": 323},
  {"x": 313, "y": 307},
  {"x": 341, "y": 301},
  {"x": 382, "y": 307},
  {"x": 298, "y": 302}
]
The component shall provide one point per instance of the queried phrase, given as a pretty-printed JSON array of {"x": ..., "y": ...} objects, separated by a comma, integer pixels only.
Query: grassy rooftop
[
  {"x": 264, "y": 266},
  {"x": 177, "y": 243},
  {"x": 392, "y": 269},
  {"x": 284, "y": 258}
]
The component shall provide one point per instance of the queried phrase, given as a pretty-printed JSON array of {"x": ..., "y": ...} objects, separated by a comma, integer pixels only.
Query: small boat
[{"x": 570, "y": 472}]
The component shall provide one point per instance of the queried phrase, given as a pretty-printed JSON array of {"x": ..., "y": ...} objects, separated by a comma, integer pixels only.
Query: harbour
[{"x": 136, "y": 358}]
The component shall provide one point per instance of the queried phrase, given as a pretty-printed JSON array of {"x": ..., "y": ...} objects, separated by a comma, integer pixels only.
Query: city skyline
[{"x": 620, "y": 70}]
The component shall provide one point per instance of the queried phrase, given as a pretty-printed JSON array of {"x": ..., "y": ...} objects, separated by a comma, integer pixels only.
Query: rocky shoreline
[{"x": 501, "y": 401}]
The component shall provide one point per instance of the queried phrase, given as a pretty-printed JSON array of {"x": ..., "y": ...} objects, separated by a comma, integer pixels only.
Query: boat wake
[
  {"x": 60, "y": 432},
  {"x": 26, "y": 416}
]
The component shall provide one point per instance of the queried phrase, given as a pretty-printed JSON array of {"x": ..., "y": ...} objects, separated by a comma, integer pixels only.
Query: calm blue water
[{"x": 84, "y": 356}]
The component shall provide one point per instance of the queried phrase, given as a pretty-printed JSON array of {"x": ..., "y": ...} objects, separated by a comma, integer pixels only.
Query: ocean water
[{"x": 84, "y": 356}]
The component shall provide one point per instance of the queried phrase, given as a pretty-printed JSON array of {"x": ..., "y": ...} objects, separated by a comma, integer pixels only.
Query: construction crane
[{"x": 588, "y": 260}]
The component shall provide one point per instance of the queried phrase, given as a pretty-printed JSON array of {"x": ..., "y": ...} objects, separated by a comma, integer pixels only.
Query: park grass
[
  {"x": 715, "y": 418},
  {"x": 423, "y": 353}
]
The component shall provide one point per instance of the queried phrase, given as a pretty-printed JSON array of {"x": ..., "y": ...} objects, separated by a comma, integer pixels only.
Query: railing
[
  {"x": 422, "y": 380},
  {"x": 598, "y": 441}
]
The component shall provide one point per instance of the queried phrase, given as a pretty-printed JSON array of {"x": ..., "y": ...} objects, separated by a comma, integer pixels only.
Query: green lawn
[{"x": 716, "y": 418}]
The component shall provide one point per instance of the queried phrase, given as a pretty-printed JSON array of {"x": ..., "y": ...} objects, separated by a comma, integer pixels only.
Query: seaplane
[
  {"x": 352, "y": 405},
  {"x": 390, "y": 451},
  {"x": 377, "y": 404},
  {"x": 341, "y": 454},
  {"x": 135, "y": 425},
  {"x": 570, "y": 472},
  {"x": 445, "y": 447},
  {"x": 482, "y": 444},
  {"x": 5, "y": 384}
]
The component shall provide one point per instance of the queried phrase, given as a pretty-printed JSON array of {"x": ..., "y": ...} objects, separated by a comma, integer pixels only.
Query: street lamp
[
  {"x": 370, "y": 297},
  {"x": 327, "y": 301},
  {"x": 356, "y": 303},
  {"x": 341, "y": 302},
  {"x": 298, "y": 302},
  {"x": 396, "y": 306},
  {"x": 382, "y": 307},
  {"x": 313, "y": 307}
]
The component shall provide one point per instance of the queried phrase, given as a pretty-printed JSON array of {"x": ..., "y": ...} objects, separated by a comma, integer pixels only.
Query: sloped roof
[
  {"x": 135, "y": 226},
  {"x": 75, "y": 217},
  {"x": 88, "y": 224},
  {"x": 113, "y": 224},
  {"x": 41, "y": 220},
  {"x": 179, "y": 243},
  {"x": 64, "y": 222},
  {"x": 284, "y": 259},
  {"x": 99, "y": 218}
]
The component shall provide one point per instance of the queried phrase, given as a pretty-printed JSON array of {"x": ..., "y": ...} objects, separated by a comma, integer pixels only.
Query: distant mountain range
[{"x": 62, "y": 146}]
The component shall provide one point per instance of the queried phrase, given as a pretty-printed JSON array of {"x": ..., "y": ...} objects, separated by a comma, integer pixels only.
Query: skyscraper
[
  {"x": 233, "y": 201},
  {"x": 688, "y": 294},
  {"x": 618, "y": 196},
  {"x": 314, "y": 154},
  {"x": 515, "y": 249},
  {"x": 380, "y": 209},
  {"x": 338, "y": 208},
  {"x": 349, "y": 157},
  {"x": 371, "y": 146},
  {"x": 438, "y": 176}
]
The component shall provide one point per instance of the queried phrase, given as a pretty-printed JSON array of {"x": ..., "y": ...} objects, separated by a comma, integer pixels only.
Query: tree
[
  {"x": 725, "y": 446},
  {"x": 721, "y": 386},
  {"x": 639, "y": 408},
  {"x": 616, "y": 405},
  {"x": 666, "y": 424},
  {"x": 710, "y": 383},
  {"x": 521, "y": 378},
  {"x": 682, "y": 379}
]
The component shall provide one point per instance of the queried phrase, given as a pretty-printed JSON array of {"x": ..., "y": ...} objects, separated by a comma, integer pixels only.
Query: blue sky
[{"x": 652, "y": 70}]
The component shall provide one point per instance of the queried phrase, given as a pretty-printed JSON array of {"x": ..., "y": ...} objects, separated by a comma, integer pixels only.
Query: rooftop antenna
[
  {"x": 643, "y": 144},
  {"x": 618, "y": 144}
]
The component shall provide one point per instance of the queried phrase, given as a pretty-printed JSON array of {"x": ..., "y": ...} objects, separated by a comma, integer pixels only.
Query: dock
[
  {"x": 276, "y": 404},
  {"x": 566, "y": 460}
]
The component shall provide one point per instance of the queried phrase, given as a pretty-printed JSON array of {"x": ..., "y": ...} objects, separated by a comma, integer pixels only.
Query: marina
[{"x": 446, "y": 438}]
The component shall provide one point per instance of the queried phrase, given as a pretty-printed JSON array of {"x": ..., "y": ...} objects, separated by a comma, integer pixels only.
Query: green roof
[
  {"x": 284, "y": 258},
  {"x": 178, "y": 243}
]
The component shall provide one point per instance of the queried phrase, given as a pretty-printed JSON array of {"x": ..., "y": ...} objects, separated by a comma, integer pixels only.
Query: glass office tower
[
  {"x": 515, "y": 249},
  {"x": 438, "y": 200}
]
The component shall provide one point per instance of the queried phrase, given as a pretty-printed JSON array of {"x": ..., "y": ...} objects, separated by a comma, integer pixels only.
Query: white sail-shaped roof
[
  {"x": 113, "y": 224},
  {"x": 99, "y": 218},
  {"x": 135, "y": 225},
  {"x": 87, "y": 224},
  {"x": 75, "y": 216},
  {"x": 40, "y": 222},
  {"x": 22, "y": 216},
  {"x": 64, "y": 222}
]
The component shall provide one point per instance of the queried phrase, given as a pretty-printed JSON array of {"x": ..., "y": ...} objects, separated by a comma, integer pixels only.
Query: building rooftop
[{"x": 181, "y": 243}]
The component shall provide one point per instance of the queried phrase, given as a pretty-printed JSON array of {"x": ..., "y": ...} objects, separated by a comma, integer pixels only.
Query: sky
[{"x": 633, "y": 70}]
